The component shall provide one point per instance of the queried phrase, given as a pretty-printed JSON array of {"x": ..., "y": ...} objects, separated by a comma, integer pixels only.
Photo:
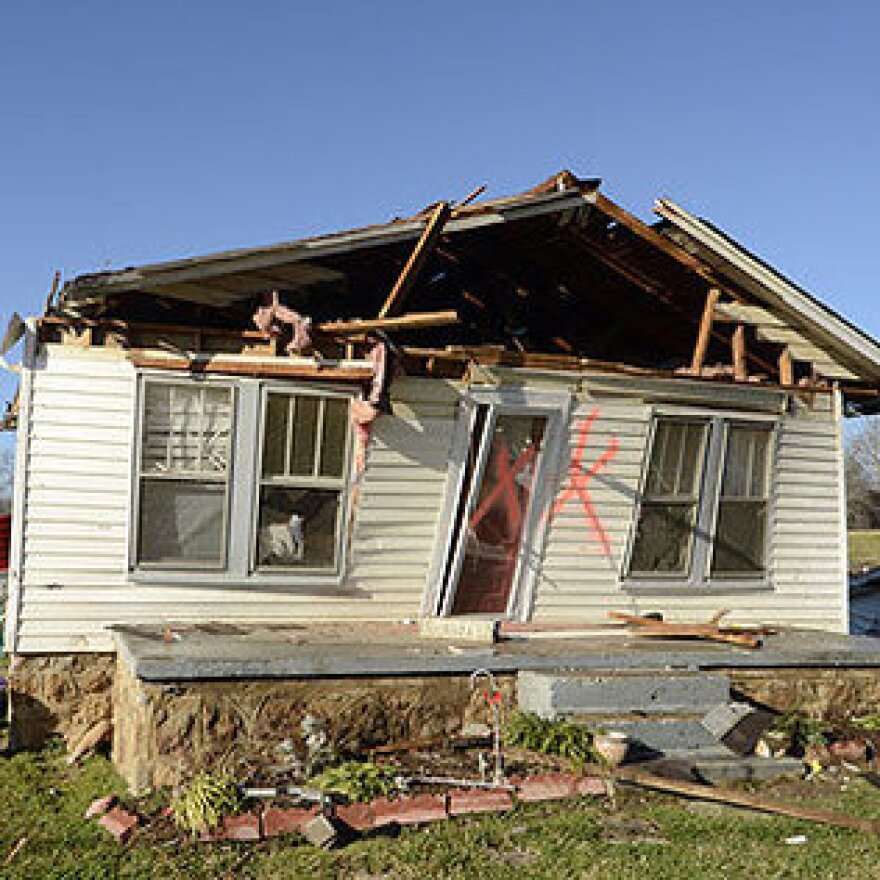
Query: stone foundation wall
[
  {"x": 63, "y": 694},
  {"x": 164, "y": 733},
  {"x": 820, "y": 693}
]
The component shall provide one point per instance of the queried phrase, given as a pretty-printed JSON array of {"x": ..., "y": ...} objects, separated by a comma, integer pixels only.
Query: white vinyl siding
[
  {"x": 79, "y": 488},
  {"x": 806, "y": 583},
  {"x": 79, "y": 494}
]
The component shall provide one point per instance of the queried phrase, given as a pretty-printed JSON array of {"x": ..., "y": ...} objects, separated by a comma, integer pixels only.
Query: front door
[{"x": 493, "y": 522}]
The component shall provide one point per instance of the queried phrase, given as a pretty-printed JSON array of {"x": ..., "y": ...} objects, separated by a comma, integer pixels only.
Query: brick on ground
[{"x": 119, "y": 822}]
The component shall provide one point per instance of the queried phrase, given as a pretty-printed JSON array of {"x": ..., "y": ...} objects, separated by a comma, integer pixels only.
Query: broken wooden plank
[
  {"x": 704, "y": 334},
  {"x": 412, "y": 321},
  {"x": 748, "y": 801},
  {"x": 738, "y": 350},
  {"x": 786, "y": 368},
  {"x": 417, "y": 259},
  {"x": 710, "y": 631},
  {"x": 279, "y": 367}
]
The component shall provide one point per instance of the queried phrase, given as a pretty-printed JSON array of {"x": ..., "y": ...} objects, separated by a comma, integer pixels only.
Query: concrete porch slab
[{"x": 251, "y": 651}]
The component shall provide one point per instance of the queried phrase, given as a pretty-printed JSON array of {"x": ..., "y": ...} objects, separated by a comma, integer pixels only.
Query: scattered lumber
[
  {"x": 711, "y": 631},
  {"x": 412, "y": 321},
  {"x": 748, "y": 801},
  {"x": 95, "y": 735}
]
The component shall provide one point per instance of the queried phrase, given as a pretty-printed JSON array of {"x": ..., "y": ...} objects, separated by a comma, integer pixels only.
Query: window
[
  {"x": 741, "y": 524},
  {"x": 668, "y": 513},
  {"x": 239, "y": 480},
  {"x": 704, "y": 506},
  {"x": 183, "y": 484},
  {"x": 304, "y": 457}
]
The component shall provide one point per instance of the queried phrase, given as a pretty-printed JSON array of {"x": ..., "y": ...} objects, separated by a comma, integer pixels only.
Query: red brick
[
  {"x": 476, "y": 800},
  {"x": 849, "y": 750},
  {"x": 359, "y": 817},
  {"x": 416, "y": 810},
  {"x": 120, "y": 823},
  {"x": 591, "y": 785},
  {"x": 546, "y": 787},
  {"x": 243, "y": 827},
  {"x": 289, "y": 820},
  {"x": 99, "y": 806}
]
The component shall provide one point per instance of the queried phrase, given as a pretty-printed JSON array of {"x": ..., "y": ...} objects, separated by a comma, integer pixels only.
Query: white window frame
[
  {"x": 698, "y": 575},
  {"x": 556, "y": 408},
  {"x": 336, "y": 484},
  {"x": 243, "y": 481}
]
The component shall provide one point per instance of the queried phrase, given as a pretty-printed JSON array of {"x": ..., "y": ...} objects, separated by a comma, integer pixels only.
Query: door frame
[{"x": 555, "y": 406}]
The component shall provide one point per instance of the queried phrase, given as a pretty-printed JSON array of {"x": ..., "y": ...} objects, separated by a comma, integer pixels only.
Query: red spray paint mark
[
  {"x": 506, "y": 472},
  {"x": 579, "y": 479}
]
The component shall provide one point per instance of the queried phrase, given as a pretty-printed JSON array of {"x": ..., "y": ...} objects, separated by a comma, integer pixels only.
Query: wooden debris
[
  {"x": 95, "y": 735},
  {"x": 705, "y": 332},
  {"x": 738, "y": 347},
  {"x": 417, "y": 259},
  {"x": 15, "y": 850},
  {"x": 748, "y": 801},
  {"x": 741, "y": 636},
  {"x": 412, "y": 321}
]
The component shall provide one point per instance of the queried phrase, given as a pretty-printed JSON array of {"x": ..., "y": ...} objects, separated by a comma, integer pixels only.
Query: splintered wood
[{"x": 745, "y": 637}]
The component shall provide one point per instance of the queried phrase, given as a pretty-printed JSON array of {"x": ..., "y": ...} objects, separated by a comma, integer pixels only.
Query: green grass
[
  {"x": 864, "y": 548},
  {"x": 646, "y": 836}
]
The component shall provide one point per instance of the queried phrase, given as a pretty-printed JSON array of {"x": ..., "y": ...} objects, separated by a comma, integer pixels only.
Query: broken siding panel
[
  {"x": 578, "y": 581},
  {"x": 76, "y": 581}
]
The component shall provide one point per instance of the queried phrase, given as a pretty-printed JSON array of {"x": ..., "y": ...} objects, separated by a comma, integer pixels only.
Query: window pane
[
  {"x": 740, "y": 537},
  {"x": 335, "y": 436},
  {"x": 745, "y": 462},
  {"x": 664, "y": 456},
  {"x": 181, "y": 521},
  {"x": 185, "y": 429},
  {"x": 691, "y": 460},
  {"x": 676, "y": 458},
  {"x": 275, "y": 434},
  {"x": 302, "y": 440},
  {"x": 297, "y": 528},
  {"x": 663, "y": 539},
  {"x": 217, "y": 424}
]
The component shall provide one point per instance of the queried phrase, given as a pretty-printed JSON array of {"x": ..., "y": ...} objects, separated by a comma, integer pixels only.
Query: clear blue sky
[{"x": 135, "y": 132}]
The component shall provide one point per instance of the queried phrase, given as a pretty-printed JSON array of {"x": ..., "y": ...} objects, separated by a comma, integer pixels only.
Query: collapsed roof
[{"x": 559, "y": 270}]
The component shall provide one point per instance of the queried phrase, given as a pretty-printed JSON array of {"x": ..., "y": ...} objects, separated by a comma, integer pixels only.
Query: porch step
[
  {"x": 650, "y": 692},
  {"x": 651, "y": 737}
]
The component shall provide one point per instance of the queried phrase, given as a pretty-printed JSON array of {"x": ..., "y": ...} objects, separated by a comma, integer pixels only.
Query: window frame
[
  {"x": 244, "y": 478},
  {"x": 699, "y": 577},
  {"x": 338, "y": 484},
  {"x": 189, "y": 566}
]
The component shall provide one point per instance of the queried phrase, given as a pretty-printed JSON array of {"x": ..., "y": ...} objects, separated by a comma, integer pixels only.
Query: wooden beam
[
  {"x": 738, "y": 350},
  {"x": 749, "y": 801},
  {"x": 704, "y": 334},
  {"x": 417, "y": 259},
  {"x": 786, "y": 368},
  {"x": 270, "y": 368},
  {"x": 652, "y": 236},
  {"x": 412, "y": 321}
]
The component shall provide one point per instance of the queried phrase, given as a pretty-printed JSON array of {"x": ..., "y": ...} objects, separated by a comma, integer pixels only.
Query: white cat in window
[{"x": 285, "y": 542}]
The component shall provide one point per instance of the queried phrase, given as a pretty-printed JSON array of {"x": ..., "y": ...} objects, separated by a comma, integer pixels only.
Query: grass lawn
[
  {"x": 864, "y": 548},
  {"x": 646, "y": 837}
]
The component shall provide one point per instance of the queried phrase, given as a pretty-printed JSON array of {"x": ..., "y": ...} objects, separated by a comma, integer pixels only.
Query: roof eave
[{"x": 771, "y": 287}]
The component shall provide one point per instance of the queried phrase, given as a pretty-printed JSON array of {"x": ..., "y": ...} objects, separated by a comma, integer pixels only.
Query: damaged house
[{"x": 537, "y": 409}]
